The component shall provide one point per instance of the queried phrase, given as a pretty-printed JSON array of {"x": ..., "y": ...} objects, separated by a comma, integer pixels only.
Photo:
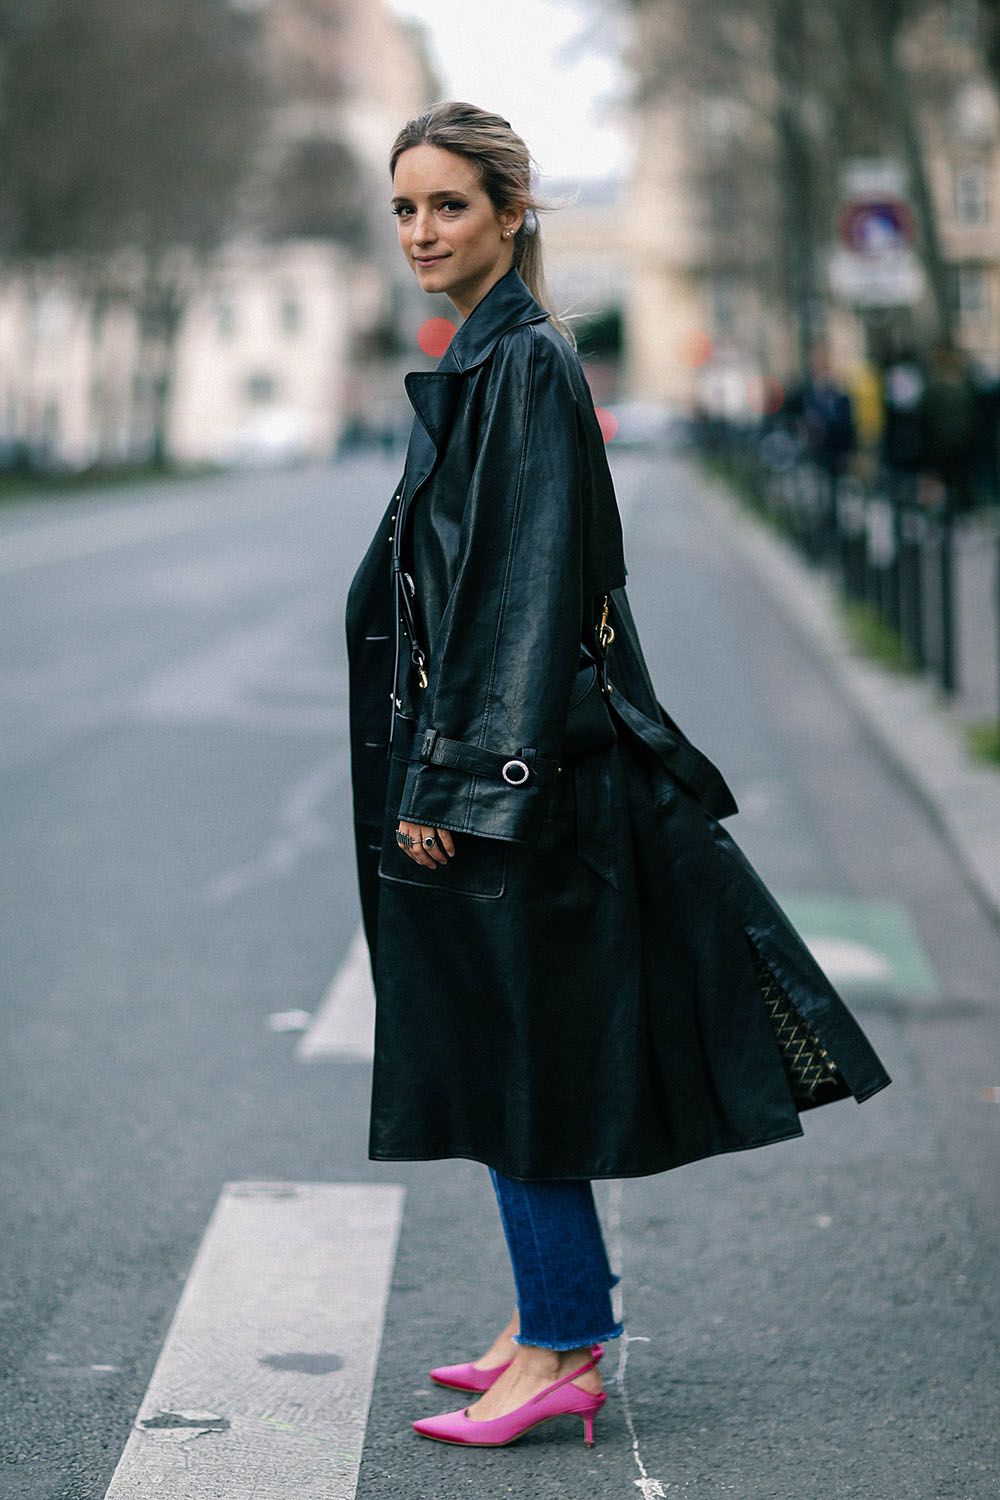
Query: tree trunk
[
  {"x": 797, "y": 173},
  {"x": 901, "y": 101},
  {"x": 989, "y": 20},
  {"x": 161, "y": 318}
]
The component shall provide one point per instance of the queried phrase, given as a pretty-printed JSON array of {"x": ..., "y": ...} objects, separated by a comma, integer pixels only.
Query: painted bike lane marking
[{"x": 264, "y": 1382}]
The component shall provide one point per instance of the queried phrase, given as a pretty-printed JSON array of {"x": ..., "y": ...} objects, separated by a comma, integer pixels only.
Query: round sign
[{"x": 869, "y": 226}]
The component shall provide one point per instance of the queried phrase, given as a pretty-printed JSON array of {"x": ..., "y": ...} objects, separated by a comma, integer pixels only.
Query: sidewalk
[{"x": 919, "y": 735}]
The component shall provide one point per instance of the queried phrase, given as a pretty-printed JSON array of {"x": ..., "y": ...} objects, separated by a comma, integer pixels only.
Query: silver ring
[
  {"x": 429, "y": 843},
  {"x": 404, "y": 840},
  {"x": 516, "y": 772}
]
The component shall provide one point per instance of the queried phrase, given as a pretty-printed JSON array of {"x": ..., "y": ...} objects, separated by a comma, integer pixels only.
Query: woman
[{"x": 578, "y": 974}]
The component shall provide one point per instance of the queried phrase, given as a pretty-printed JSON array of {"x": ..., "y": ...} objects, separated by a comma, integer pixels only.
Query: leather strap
[
  {"x": 524, "y": 768},
  {"x": 692, "y": 769}
]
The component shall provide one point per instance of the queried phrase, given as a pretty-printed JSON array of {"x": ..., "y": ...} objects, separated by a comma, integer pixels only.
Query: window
[
  {"x": 291, "y": 315},
  {"x": 971, "y": 195},
  {"x": 225, "y": 318},
  {"x": 963, "y": 21},
  {"x": 99, "y": 322},
  {"x": 260, "y": 388},
  {"x": 973, "y": 288},
  {"x": 725, "y": 304},
  {"x": 51, "y": 425}
]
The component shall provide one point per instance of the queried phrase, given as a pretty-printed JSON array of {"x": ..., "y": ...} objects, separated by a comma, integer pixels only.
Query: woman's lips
[{"x": 428, "y": 260}]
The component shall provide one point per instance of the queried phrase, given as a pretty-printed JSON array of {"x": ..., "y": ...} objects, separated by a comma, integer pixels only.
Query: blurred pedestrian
[
  {"x": 826, "y": 415},
  {"x": 825, "y": 422},
  {"x": 578, "y": 974},
  {"x": 987, "y": 463},
  {"x": 902, "y": 443},
  {"x": 868, "y": 405}
]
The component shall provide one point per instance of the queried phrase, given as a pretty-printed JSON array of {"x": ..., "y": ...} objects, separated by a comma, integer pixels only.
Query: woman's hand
[{"x": 426, "y": 846}]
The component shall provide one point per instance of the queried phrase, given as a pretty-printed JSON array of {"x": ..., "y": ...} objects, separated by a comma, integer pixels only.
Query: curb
[{"x": 916, "y": 733}]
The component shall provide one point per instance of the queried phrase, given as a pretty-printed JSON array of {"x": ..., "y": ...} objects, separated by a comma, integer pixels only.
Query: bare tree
[
  {"x": 126, "y": 124},
  {"x": 314, "y": 193},
  {"x": 989, "y": 12},
  {"x": 818, "y": 85}
]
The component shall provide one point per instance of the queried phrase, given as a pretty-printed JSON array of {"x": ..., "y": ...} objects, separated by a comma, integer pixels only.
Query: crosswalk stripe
[
  {"x": 344, "y": 1024},
  {"x": 264, "y": 1382}
]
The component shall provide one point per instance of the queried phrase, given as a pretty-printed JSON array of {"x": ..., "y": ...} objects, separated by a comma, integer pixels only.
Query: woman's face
[{"x": 450, "y": 233}]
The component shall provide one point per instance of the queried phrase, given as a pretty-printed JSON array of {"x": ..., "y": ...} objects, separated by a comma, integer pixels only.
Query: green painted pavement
[{"x": 864, "y": 944}]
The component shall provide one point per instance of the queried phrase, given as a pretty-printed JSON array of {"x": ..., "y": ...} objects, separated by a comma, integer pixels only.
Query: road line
[
  {"x": 265, "y": 1379},
  {"x": 648, "y": 1487},
  {"x": 344, "y": 1024}
]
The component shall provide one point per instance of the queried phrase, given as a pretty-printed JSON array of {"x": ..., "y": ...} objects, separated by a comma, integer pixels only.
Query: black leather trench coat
[{"x": 588, "y": 988}]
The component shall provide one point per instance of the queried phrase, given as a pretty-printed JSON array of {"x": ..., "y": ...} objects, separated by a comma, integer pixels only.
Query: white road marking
[
  {"x": 842, "y": 959},
  {"x": 265, "y": 1379},
  {"x": 648, "y": 1487},
  {"x": 289, "y": 1020},
  {"x": 344, "y": 1023}
]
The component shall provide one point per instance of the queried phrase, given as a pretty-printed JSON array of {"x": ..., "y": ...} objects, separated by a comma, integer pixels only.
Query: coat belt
[{"x": 524, "y": 768}]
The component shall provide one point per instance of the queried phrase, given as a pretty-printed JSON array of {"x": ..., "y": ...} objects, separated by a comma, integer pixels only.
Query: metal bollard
[
  {"x": 912, "y": 538},
  {"x": 947, "y": 667},
  {"x": 853, "y": 540},
  {"x": 997, "y": 609}
]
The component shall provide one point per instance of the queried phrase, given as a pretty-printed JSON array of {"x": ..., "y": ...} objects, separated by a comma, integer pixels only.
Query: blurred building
[
  {"x": 287, "y": 329},
  {"x": 700, "y": 320},
  {"x": 289, "y": 341},
  {"x": 709, "y": 309},
  {"x": 587, "y": 269},
  {"x": 960, "y": 119}
]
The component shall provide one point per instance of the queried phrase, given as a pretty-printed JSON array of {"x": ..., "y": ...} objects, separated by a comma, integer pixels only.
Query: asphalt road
[{"x": 819, "y": 1318}]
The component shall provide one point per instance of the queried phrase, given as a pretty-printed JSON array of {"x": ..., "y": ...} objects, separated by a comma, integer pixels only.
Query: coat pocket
[{"x": 479, "y": 867}]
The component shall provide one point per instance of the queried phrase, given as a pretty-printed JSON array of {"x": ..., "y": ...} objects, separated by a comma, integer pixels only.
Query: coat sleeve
[{"x": 506, "y": 652}]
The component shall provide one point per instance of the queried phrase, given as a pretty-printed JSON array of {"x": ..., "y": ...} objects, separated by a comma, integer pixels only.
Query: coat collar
[{"x": 507, "y": 304}]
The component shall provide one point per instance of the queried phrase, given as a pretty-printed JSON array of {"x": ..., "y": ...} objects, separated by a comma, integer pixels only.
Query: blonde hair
[{"x": 504, "y": 166}]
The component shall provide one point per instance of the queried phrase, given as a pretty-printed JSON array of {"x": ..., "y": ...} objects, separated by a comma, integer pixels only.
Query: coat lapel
[{"x": 435, "y": 396}]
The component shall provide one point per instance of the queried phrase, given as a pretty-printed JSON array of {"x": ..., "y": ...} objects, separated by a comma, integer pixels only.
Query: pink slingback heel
[
  {"x": 468, "y": 1377},
  {"x": 471, "y": 1378},
  {"x": 560, "y": 1399}
]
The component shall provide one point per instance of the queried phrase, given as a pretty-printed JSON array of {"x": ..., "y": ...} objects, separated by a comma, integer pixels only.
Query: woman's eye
[
  {"x": 453, "y": 205},
  {"x": 402, "y": 210}
]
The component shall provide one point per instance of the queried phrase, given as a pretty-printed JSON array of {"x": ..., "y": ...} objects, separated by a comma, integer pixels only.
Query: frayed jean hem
[{"x": 562, "y": 1348}]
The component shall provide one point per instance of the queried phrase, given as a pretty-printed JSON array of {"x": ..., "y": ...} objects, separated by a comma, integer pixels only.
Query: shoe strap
[{"x": 591, "y": 1364}]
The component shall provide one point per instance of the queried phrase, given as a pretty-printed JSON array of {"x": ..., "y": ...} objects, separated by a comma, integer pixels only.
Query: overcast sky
[{"x": 522, "y": 59}]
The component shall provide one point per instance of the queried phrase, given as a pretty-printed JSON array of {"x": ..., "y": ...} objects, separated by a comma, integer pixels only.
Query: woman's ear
[{"x": 511, "y": 219}]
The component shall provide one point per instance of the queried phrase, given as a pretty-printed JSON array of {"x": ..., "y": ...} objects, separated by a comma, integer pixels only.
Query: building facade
[
  {"x": 280, "y": 334},
  {"x": 710, "y": 310}
]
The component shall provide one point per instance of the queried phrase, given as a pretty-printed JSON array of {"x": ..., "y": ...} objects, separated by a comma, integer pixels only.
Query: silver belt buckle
[{"x": 516, "y": 772}]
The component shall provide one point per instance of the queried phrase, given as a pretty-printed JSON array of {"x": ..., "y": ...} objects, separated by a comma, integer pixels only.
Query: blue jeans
[{"x": 561, "y": 1271}]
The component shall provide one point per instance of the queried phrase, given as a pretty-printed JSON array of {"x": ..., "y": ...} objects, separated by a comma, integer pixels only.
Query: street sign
[
  {"x": 869, "y": 226},
  {"x": 875, "y": 263},
  {"x": 891, "y": 278}
]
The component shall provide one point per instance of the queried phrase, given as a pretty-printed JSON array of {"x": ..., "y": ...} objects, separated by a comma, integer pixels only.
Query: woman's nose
[{"x": 424, "y": 231}]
